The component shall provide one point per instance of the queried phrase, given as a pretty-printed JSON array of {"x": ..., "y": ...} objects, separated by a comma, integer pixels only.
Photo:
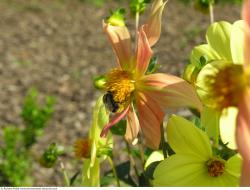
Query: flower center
[
  {"x": 119, "y": 87},
  {"x": 215, "y": 167},
  {"x": 82, "y": 148},
  {"x": 226, "y": 86}
]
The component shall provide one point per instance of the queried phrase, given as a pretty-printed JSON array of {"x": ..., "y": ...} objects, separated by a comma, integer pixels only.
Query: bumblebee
[{"x": 109, "y": 102}]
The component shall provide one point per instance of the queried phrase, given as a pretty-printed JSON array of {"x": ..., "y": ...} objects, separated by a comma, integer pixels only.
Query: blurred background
[{"x": 57, "y": 47}]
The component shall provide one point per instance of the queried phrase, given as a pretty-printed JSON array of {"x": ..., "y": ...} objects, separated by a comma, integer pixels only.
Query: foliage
[
  {"x": 14, "y": 159},
  {"x": 35, "y": 116},
  {"x": 15, "y": 156}
]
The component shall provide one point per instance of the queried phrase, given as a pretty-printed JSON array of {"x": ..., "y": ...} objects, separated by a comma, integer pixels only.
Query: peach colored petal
[
  {"x": 113, "y": 121},
  {"x": 133, "y": 126},
  {"x": 143, "y": 54},
  {"x": 170, "y": 91},
  {"x": 153, "y": 25},
  {"x": 243, "y": 135},
  {"x": 245, "y": 174},
  {"x": 150, "y": 118},
  {"x": 246, "y": 17},
  {"x": 119, "y": 38}
]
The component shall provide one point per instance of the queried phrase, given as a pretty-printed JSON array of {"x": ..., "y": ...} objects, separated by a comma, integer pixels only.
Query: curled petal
[
  {"x": 119, "y": 38},
  {"x": 150, "y": 118},
  {"x": 243, "y": 137},
  {"x": 144, "y": 53},
  {"x": 113, "y": 121},
  {"x": 246, "y": 17},
  {"x": 133, "y": 126},
  {"x": 153, "y": 25},
  {"x": 170, "y": 91}
]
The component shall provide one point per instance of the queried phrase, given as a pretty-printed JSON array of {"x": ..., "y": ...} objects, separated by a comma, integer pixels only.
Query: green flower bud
[
  {"x": 50, "y": 155},
  {"x": 99, "y": 82},
  {"x": 117, "y": 18}
]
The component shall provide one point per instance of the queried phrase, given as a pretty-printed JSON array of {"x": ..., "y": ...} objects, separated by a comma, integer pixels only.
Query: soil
[{"x": 58, "y": 46}]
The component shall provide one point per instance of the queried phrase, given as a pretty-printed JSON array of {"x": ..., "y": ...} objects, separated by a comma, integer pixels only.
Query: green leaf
[
  {"x": 153, "y": 65},
  {"x": 119, "y": 128},
  {"x": 218, "y": 37},
  {"x": 73, "y": 178},
  {"x": 138, "y": 6},
  {"x": 180, "y": 135}
]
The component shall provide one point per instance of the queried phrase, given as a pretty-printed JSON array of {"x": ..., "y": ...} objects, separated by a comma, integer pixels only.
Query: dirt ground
[{"x": 58, "y": 46}]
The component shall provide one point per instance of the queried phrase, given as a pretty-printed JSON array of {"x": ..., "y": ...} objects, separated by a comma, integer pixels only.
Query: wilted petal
[
  {"x": 170, "y": 91},
  {"x": 150, "y": 118},
  {"x": 113, "y": 121},
  {"x": 119, "y": 38},
  {"x": 144, "y": 53},
  {"x": 153, "y": 25},
  {"x": 246, "y": 17},
  {"x": 243, "y": 136},
  {"x": 133, "y": 126}
]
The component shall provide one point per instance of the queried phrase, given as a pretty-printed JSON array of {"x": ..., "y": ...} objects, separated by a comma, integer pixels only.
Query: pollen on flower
[
  {"x": 215, "y": 167},
  {"x": 120, "y": 84},
  {"x": 82, "y": 148},
  {"x": 226, "y": 86}
]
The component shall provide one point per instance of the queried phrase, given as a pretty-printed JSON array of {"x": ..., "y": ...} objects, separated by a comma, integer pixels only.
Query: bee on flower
[{"x": 130, "y": 92}]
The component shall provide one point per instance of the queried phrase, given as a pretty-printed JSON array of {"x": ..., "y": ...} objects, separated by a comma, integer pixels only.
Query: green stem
[
  {"x": 132, "y": 161},
  {"x": 211, "y": 12},
  {"x": 137, "y": 17},
  {"x": 66, "y": 178},
  {"x": 163, "y": 144},
  {"x": 114, "y": 171}
]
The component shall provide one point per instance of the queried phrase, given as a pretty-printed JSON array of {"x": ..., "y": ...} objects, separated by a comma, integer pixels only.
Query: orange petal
[
  {"x": 133, "y": 126},
  {"x": 245, "y": 174},
  {"x": 153, "y": 25},
  {"x": 246, "y": 17},
  {"x": 119, "y": 38},
  {"x": 170, "y": 91},
  {"x": 113, "y": 121},
  {"x": 150, "y": 118},
  {"x": 143, "y": 54},
  {"x": 243, "y": 136}
]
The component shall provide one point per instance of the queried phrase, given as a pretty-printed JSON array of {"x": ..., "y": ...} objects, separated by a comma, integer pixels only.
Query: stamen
[
  {"x": 215, "y": 167},
  {"x": 224, "y": 86},
  {"x": 120, "y": 84},
  {"x": 82, "y": 148}
]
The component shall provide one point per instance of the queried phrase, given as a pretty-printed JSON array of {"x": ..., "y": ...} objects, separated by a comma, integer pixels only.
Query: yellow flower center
[
  {"x": 119, "y": 87},
  {"x": 215, "y": 167},
  {"x": 226, "y": 86}
]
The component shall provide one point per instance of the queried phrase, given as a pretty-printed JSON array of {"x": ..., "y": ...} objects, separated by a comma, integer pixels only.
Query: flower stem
[
  {"x": 132, "y": 161},
  {"x": 137, "y": 18},
  {"x": 66, "y": 178},
  {"x": 163, "y": 144},
  {"x": 114, "y": 171},
  {"x": 211, "y": 12}
]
